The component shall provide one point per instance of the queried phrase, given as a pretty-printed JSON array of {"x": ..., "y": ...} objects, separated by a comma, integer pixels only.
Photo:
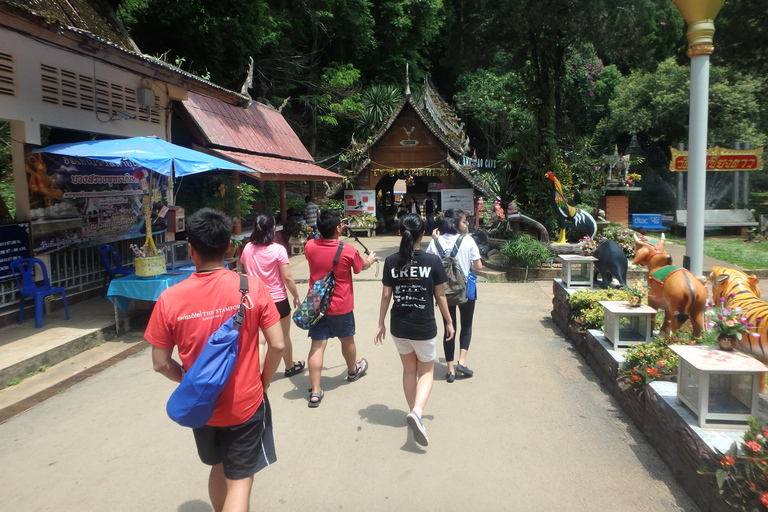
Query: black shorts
[
  {"x": 283, "y": 307},
  {"x": 244, "y": 449}
]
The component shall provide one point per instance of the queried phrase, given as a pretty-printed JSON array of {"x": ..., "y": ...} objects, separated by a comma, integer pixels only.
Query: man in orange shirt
[
  {"x": 237, "y": 441},
  {"x": 339, "y": 320}
]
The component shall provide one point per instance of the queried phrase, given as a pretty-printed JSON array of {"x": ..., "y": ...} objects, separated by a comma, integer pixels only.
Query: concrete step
[
  {"x": 24, "y": 349},
  {"x": 46, "y": 384},
  {"x": 487, "y": 274}
]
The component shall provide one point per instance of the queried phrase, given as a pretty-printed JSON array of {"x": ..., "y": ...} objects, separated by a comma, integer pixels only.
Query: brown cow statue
[{"x": 672, "y": 289}]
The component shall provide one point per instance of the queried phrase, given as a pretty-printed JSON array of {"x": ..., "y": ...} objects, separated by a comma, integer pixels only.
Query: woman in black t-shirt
[{"x": 415, "y": 279}]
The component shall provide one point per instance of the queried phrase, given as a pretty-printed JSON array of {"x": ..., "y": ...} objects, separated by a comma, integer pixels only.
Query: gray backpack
[{"x": 456, "y": 286}]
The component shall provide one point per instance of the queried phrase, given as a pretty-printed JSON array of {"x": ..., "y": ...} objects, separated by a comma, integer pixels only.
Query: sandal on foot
[
  {"x": 296, "y": 368},
  {"x": 360, "y": 368},
  {"x": 319, "y": 398}
]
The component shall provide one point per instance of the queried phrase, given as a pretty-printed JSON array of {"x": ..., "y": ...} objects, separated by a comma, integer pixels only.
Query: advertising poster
[
  {"x": 14, "y": 244},
  {"x": 77, "y": 202},
  {"x": 359, "y": 201},
  {"x": 461, "y": 198}
]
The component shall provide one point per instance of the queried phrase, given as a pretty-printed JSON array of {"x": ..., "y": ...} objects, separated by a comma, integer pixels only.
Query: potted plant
[
  {"x": 297, "y": 232},
  {"x": 637, "y": 292},
  {"x": 363, "y": 220},
  {"x": 729, "y": 324}
]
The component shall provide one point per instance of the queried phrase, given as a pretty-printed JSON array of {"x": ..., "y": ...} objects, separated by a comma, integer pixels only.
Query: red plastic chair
[{"x": 23, "y": 271}]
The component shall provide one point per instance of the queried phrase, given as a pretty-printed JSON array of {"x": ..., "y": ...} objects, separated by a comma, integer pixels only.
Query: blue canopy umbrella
[{"x": 149, "y": 152}]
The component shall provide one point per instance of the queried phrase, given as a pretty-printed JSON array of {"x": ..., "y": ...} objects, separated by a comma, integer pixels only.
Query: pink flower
[{"x": 753, "y": 445}]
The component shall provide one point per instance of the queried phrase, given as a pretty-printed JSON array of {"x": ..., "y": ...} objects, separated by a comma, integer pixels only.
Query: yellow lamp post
[{"x": 699, "y": 15}]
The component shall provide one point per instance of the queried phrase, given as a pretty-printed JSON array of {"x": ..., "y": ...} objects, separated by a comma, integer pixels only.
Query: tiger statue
[{"x": 740, "y": 290}]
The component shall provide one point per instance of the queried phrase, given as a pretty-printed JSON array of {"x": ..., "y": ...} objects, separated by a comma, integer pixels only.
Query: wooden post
[
  {"x": 283, "y": 204},
  {"x": 237, "y": 224}
]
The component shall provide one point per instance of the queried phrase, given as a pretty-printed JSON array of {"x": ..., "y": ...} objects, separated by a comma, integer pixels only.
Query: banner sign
[
  {"x": 79, "y": 202},
  {"x": 359, "y": 201},
  {"x": 14, "y": 244},
  {"x": 461, "y": 198},
  {"x": 721, "y": 159}
]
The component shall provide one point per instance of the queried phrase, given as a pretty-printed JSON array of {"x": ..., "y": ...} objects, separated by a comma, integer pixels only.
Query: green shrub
[
  {"x": 622, "y": 236},
  {"x": 585, "y": 308},
  {"x": 525, "y": 251}
]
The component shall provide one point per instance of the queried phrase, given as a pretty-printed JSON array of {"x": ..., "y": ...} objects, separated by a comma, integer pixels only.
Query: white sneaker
[{"x": 419, "y": 432}]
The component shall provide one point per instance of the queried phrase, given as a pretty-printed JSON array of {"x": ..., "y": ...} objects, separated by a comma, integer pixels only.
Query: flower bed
[{"x": 672, "y": 436}]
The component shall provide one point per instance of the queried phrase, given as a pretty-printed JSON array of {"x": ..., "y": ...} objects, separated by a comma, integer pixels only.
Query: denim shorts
[{"x": 333, "y": 326}]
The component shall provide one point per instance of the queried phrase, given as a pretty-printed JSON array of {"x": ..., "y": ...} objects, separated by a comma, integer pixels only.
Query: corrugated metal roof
[
  {"x": 278, "y": 169},
  {"x": 90, "y": 16},
  {"x": 258, "y": 129}
]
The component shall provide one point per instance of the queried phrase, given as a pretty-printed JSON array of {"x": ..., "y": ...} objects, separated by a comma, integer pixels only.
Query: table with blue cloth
[{"x": 123, "y": 290}]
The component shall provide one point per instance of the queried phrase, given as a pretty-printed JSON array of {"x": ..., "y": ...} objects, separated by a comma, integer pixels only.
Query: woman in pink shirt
[{"x": 264, "y": 258}]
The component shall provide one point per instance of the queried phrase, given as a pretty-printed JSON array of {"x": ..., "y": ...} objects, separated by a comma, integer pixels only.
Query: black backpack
[
  {"x": 456, "y": 286},
  {"x": 318, "y": 299}
]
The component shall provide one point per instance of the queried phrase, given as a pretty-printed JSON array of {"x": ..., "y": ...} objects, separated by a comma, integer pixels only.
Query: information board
[
  {"x": 14, "y": 244},
  {"x": 461, "y": 198},
  {"x": 357, "y": 202}
]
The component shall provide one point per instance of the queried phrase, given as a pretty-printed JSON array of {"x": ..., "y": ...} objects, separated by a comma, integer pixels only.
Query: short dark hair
[
  {"x": 307, "y": 199},
  {"x": 263, "y": 232},
  {"x": 327, "y": 222},
  {"x": 209, "y": 232}
]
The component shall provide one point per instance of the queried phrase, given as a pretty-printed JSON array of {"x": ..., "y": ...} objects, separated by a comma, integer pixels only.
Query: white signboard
[
  {"x": 359, "y": 201},
  {"x": 461, "y": 198}
]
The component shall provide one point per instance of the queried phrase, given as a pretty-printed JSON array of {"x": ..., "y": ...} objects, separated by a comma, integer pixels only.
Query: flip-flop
[
  {"x": 296, "y": 368},
  {"x": 319, "y": 397},
  {"x": 360, "y": 368}
]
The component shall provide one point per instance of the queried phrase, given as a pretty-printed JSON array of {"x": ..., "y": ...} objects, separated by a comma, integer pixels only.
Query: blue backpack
[{"x": 193, "y": 401}]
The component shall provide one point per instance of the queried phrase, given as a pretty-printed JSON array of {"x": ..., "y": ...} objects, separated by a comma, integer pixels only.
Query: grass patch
[
  {"x": 18, "y": 380},
  {"x": 747, "y": 254}
]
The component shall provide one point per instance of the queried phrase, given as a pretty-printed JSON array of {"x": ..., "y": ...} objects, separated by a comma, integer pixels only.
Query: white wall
[{"x": 83, "y": 82}]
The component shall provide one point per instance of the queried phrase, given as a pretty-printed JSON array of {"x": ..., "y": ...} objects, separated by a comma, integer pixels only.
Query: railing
[{"x": 77, "y": 270}]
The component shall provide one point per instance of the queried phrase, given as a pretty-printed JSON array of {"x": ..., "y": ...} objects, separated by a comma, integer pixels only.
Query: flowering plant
[
  {"x": 636, "y": 290},
  {"x": 727, "y": 322},
  {"x": 585, "y": 307},
  {"x": 741, "y": 472},
  {"x": 620, "y": 235},
  {"x": 587, "y": 245},
  {"x": 646, "y": 362},
  {"x": 297, "y": 229}
]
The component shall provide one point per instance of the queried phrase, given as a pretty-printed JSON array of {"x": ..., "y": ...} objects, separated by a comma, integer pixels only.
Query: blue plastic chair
[
  {"x": 23, "y": 271},
  {"x": 113, "y": 266}
]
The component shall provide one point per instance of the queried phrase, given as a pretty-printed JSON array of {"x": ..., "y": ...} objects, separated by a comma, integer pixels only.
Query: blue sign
[{"x": 647, "y": 221}]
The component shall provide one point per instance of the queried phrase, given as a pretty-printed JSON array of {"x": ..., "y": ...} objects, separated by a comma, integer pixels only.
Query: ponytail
[
  {"x": 263, "y": 232},
  {"x": 411, "y": 228}
]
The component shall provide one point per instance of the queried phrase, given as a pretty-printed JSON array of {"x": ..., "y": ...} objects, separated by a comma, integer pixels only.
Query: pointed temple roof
[{"x": 442, "y": 122}]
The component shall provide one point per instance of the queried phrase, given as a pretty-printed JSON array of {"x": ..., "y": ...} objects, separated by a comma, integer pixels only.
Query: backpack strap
[
  {"x": 338, "y": 255},
  {"x": 455, "y": 250},
  {"x": 439, "y": 248},
  {"x": 241, "y": 312}
]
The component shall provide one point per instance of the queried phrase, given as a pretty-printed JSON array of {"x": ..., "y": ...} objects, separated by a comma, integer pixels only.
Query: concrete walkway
[{"x": 532, "y": 430}]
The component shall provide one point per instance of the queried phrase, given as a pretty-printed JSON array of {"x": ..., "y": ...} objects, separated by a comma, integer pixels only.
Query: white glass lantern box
[
  {"x": 721, "y": 388},
  {"x": 176, "y": 253},
  {"x": 578, "y": 270},
  {"x": 626, "y": 325}
]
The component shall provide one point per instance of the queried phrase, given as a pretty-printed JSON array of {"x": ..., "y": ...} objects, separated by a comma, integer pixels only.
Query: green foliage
[
  {"x": 379, "y": 101},
  {"x": 336, "y": 96},
  {"x": 335, "y": 204},
  {"x": 219, "y": 191},
  {"x": 586, "y": 310},
  {"x": 656, "y": 103},
  {"x": 525, "y": 251},
  {"x": 741, "y": 473},
  {"x": 646, "y": 362},
  {"x": 495, "y": 102}
]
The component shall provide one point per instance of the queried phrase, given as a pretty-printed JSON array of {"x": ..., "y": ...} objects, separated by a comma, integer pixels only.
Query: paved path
[{"x": 533, "y": 430}]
